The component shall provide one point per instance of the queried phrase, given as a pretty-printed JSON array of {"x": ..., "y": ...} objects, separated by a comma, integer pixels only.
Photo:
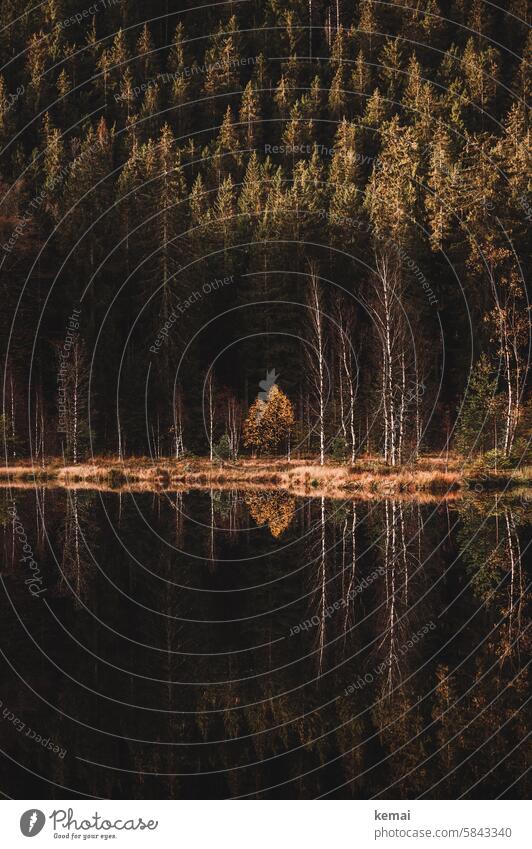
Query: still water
[{"x": 251, "y": 644}]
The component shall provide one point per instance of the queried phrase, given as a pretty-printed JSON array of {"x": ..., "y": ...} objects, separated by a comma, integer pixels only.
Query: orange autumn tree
[{"x": 269, "y": 422}]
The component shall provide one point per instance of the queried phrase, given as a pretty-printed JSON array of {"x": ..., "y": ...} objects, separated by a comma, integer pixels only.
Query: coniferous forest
[{"x": 196, "y": 202}]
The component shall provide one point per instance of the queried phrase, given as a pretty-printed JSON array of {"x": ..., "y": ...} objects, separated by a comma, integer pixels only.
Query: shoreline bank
[{"x": 370, "y": 477}]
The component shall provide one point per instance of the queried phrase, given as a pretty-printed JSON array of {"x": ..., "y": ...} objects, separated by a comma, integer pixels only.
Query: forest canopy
[{"x": 336, "y": 192}]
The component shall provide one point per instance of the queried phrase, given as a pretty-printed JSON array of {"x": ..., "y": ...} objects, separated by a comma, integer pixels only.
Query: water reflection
[{"x": 233, "y": 643}]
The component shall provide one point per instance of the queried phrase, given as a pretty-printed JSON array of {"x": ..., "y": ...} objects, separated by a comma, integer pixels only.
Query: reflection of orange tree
[
  {"x": 275, "y": 509},
  {"x": 269, "y": 422}
]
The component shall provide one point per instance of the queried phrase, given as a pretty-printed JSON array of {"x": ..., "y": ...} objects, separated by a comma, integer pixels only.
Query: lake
[{"x": 223, "y": 644}]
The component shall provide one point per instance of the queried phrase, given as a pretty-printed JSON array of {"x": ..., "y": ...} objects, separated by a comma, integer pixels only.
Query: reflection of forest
[{"x": 165, "y": 648}]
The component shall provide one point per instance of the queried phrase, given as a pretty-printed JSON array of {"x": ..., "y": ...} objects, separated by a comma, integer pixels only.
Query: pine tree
[
  {"x": 392, "y": 191},
  {"x": 477, "y": 416},
  {"x": 368, "y": 27},
  {"x": 227, "y": 146},
  {"x": 391, "y": 62},
  {"x": 251, "y": 199},
  {"x": 345, "y": 196},
  {"x": 249, "y": 116},
  {"x": 54, "y": 165},
  {"x": 338, "y": 94},
  {"x": 361, "y": 81},
  {"x": 222, "y": 60},
  {"x": 443, "y": 186},
  {"x": 147, "y": 62}
]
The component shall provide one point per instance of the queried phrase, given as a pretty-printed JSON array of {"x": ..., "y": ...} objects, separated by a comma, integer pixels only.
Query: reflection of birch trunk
[
  {"x": 390, "y": 566},
  {"x": 72, "y": 561},
  {"x": 179, "y": 519},
  {"x": 520, "y": 571},
  {"x": 403, "y": 548},
  {"x": 212, "y": 528},
  {"x": 514, "y": 555},
  {"x": 13, "y": 433},
  {"x": 350, "y": 600},
  {"x": 323, "y": 585},
  {"x": 391, "y": 652}
]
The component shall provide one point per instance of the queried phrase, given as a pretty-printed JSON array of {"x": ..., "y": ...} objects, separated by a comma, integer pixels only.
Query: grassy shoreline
[{"x": 369, "y": 476}]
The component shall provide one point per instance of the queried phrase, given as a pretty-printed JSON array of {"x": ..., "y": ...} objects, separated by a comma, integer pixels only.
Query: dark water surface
[{"x": 228, "y": 644}]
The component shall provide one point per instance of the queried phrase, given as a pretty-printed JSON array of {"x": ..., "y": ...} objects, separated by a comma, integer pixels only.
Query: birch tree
[
  {"x": 316, "y": 353},
  {"x": 387, "y": 308},
  {"x": 344, "y": 316}
]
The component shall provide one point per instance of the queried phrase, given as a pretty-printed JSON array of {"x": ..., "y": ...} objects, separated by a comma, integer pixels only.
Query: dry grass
[
  {"x": 369, "y": 477},
  {"x": 300, "y": 474}
]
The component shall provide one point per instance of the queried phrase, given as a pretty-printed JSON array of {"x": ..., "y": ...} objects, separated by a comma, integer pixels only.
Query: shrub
[
  {"x": 222, "y": 449},
  {"x": 339, "y": 449}
]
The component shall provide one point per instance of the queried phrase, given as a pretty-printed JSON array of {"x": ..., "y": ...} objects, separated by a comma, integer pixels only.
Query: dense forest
[{"x": 200, "y": 206}]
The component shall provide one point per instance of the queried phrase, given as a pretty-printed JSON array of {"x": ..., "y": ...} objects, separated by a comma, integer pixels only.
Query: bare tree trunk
[
  {"x": 318, "y": 354},
  {"x": 13, "y": 432},
  {"x": 210, "y": 393},
  {"x": 310, "y": 29},
  {"x": 178, "y": 425},
  {"x": 509, "y": 391},
  {"x": 389, "y": 320},
  {"x": 345, "y": 321},
  {"x": 402, "y": 410},
  {"x": 75, "y": 406},
  {"x": 233, "y": 425}
]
